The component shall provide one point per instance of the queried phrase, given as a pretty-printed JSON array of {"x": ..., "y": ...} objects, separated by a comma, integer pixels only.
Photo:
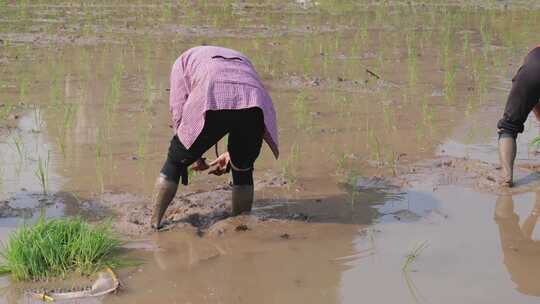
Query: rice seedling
[
  {"x": 100, "y": 155},
  {"x": 392, "y": 160},
  {"x": 364, "y": 32},
  {"x": 389, "y": 121},
  {"x": 446, "y": 41},
  {"x": 351, "y": 180},
  {"x": 412, "y": 57},
  {"x": 341, "y": 158},
  {"x": 19, "y": 146},
  {"x": 485, "y": 35},
  {"x": 450, "y": 82},
  {"x": 301, "y": 112},
  {"x": 466, "y": 43},
  {"x": 55, "y": 93},
  {"x": 42, "y": 172},
  {"x": 427, "y": 112},
  {"x": 22, "y": 9},
  {"x": 68, "y": 114},
  {"x": 295, "y": 154},
  {"x": 6, "y": 110},
  {"x": 288, "y": 170},
  {"x": 57, "y": 247},
  {"x": 307, "y": 65},
  {"x": 375, "y": 146},
  {"x": 413, "y": 255},
  {"x": 23, "y": 88},
  {"x": 38, "y": 120},
  {"x": 166, "y": 11},
  {"x": 114, "y": 93},
  {"x": 56, "y": 72}
]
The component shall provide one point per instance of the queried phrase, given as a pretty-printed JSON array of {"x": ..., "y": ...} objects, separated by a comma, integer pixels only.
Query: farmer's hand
[
  {"x": 200, "y": 165},
  {"x": 221, "y": 164}
]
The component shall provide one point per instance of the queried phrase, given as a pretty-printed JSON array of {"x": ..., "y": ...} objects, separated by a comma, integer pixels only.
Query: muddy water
[
  {"x": 361, "y": 88},
  {"x": 481, "y": 249}
]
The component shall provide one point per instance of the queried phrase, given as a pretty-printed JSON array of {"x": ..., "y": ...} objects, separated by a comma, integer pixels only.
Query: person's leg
[
  {"x": 523, "y": 97},
  {"x": 178, "y": 160},
  {"x": 507, "y": 156},
  {"x": 244, "y": 146},
  {"x": 167, "y": 182}
]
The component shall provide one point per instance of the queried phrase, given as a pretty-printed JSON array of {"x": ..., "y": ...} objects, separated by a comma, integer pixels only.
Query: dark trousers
[
  {"x": 245, "y": 128},
  {"x": 524, "y": 95}
]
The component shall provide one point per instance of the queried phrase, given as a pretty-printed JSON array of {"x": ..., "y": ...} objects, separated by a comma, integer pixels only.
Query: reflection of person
[
  {"x": 215, "y": 91},
  {"x": 521, "y": 253},
  {"x": 523, "y": 99}
]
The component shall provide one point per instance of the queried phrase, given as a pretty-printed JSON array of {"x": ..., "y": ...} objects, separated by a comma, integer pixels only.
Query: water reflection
[
  {"x": 256, "y": 266},
  {"x": 27, "y": 207},
  {"x": 521, "y": 252},
  {"x": 21, "y": 153}
]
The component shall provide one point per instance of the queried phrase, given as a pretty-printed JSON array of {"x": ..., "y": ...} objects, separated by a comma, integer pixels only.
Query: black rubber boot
[
  {"x": 507, "y": 155},
  {"x": 242, "y": 199},
  {"x": 164, "y": 193}
]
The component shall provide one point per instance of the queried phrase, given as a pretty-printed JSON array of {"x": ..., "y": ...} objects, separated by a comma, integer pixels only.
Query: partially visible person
[
  {"x": 523, "y": 99},
  {"x": 521, "y": 253},
  {"x": 215, "y": 91}
]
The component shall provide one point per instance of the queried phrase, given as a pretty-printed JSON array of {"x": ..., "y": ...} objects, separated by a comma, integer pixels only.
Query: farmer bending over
[
  {"x": 215, "y": 91},
  {"x": 523, "y": 99}
]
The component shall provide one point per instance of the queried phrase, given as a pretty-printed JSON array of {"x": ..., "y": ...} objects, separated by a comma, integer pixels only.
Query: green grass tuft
[
  {"x": 52, "y": 248},
  {"x": 535, "y": 143}
]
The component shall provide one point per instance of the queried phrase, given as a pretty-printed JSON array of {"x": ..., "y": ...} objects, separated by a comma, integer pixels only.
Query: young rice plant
[{"x": 52, "y": 248}]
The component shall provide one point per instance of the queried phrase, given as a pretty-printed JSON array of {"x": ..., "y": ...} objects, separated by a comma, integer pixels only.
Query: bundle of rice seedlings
[{"x": 52, "y": 248}]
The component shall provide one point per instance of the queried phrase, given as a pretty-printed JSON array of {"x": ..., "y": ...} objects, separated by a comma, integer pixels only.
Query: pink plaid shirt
[{"x": 206, "y": 78}]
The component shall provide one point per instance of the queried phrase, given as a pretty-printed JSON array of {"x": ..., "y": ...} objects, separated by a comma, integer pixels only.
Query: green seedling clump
[
  {"x": 53, "y": 248},
  {"x": 535, "y": 143}
]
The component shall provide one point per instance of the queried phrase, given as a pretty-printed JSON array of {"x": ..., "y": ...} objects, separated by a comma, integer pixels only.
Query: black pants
[
  {"x": 524, "y": 95},
  {"x": 245, "y": 128}
]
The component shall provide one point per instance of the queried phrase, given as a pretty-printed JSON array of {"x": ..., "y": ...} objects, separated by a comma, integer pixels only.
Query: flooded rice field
[{"x": 385, "y": 188}]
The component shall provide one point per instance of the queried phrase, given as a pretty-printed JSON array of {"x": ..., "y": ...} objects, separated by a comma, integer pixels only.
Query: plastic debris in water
[{"x": 106, "y": 282}]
